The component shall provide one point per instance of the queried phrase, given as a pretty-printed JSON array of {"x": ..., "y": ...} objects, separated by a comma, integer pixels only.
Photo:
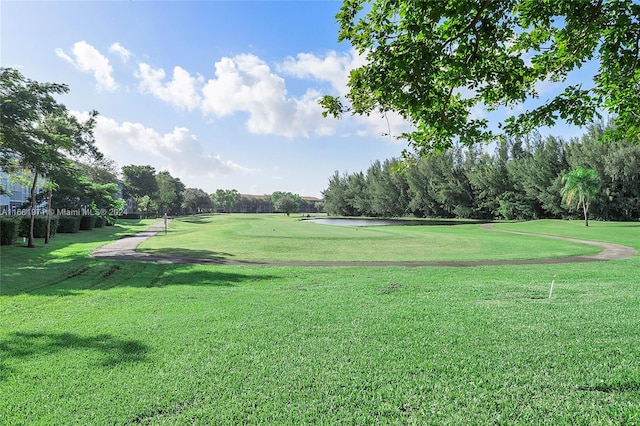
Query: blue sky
[{"x": 222, "y": 94}]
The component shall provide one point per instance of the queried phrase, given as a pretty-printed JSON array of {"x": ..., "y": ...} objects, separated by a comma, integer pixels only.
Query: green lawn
[
  {"x": 278, "y": 238},
  {"x": 89, "y": 341}
]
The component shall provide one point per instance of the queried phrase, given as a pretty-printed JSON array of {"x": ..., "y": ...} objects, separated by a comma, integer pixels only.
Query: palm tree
[{"x": 580, "y": 184}]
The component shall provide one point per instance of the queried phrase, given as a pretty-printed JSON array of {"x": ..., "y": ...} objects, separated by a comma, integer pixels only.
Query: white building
[{"x": 17, "y": 194}]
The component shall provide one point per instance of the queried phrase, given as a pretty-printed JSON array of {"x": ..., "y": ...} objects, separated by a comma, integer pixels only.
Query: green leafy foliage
[
  {"x": 39, "y": 226},
  {"x": 580, "y": 185},
  {"x": 139, "y": 181},
  {"x": 286, "y": 202},
  {"x": 69, "y": 224},
  {"x": 9, "y": 229},
  {"x": 434, "y": 61},
  {"x": 225, "y": 198},
  {"x": 169, "y": 194},
  {"x": 38, "y": 133},
  {"x": 195, "y": 200},
  {"x": 521, "y": 180},
  {"x": 87, "y": 222}
]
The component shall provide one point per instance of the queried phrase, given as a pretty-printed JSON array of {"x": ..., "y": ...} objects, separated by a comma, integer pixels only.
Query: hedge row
[
  {"x": 9, "y": 228},
  {"x": 39, "y": 226},
  {"x": 13, "y": 227},
  {"x": 69, "y": 224},
  {"x": 130, "y": 216},
  {"x": 87, "y": 223}
]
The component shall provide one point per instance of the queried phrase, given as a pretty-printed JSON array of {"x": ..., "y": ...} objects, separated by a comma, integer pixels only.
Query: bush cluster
[
  {"x": 9, "y": 229},
  {"x": 39, "y": 226},
  {"x": 87, "y": 223},
  {"x": 13, "y": 227},
  {"x": 68, "y": 224},
  {"x": 130, "y": 216}
]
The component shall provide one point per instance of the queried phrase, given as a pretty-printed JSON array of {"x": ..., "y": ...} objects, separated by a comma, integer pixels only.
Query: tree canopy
[
  {"x": 434, "y": 61},
  {"x": 37, "y": 133},
  {"x": 226, "y": 198},
  {"x": 169, "y": 194},
  {"x": 195, "y": 200},
  {"x": 522, "y": 180},
  {"x": 286, "y": 202},
  {"x": 139, "y": 181}
]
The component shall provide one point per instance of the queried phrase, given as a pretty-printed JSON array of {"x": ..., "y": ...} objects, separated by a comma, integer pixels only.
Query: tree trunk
[
  {"x": 31, "y": 242},
  {"x": 48, "y": 233},
  {"x": 585, "y": 209}
]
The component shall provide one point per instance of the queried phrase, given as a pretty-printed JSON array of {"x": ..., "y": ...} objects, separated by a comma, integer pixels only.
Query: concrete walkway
[{"x": 125, "y": 249}]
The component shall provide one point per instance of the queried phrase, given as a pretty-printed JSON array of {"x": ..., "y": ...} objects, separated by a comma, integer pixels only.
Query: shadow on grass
[
  {"x": 612, "y": 386},
  {"x": 195, "y": 219},
  {"x": 450, "y": 222},
  {"x": 113, "y": 350},
  {"x": 184, "y": 252},
  {"x": 73, "y": 277},
  {"x": 199, "y": 276},
  {"x": 372, "y": 221}
]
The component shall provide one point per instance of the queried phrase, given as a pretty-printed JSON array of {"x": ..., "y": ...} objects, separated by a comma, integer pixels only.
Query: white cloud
[
  {"x": 246, "y": 83},
  {"x": 181, "y": 91},
  {"x": 60, "y": 53},
  {"x": 120, "y": 50},
  {"x": 88, "y": 59},
  {"x": 333, "y": 68},
  {"x": 179, "y": 152}
]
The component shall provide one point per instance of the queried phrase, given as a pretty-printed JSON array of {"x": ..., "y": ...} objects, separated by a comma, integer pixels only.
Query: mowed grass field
[
  {"x": 280, "y": 238},
  {"x": 87, "y": 341}
]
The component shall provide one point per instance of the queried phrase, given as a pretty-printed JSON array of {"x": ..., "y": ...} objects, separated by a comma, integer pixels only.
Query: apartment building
[{"x": 17, "y": 194}]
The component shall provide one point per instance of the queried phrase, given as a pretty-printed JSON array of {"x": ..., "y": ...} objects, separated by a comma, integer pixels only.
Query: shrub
[
  {"x": 39, "y": 226},
  {"x": 54, "y": 226},
  {"x": 87, "y": 223},
  {"x": 68, "y": 224},
  {"x": 110, "y": 220},
  {"x": 100, "y": 222},
  {"x": 130, "y": 216},
  {"x": 9, "y": 228}
]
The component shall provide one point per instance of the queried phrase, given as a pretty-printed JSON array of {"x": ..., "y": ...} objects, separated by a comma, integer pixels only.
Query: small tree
[
  {"x": 231, "y": 198},
  {"x": 580, "y": 185},
  {"x": 145, "y": 203},
  {"x": 168, "y": 191},
  {"x": 285, "y": 202},
  {"x": 195, "y": 200},
  {"x": 225, "y": 198},
  {"x": 138, "y": 182}
]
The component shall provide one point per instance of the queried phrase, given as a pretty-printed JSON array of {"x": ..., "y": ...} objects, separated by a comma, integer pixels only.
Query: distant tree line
[
  {"x": 522, "y": 179},
  {"x": 159, "y": 193}
]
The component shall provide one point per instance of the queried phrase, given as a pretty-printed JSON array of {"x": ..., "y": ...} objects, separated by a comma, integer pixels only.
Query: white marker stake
[{"x": 551, "y": 289}]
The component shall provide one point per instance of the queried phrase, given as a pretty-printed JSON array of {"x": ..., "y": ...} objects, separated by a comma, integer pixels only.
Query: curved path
[{"x": 125, "y": 249}]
